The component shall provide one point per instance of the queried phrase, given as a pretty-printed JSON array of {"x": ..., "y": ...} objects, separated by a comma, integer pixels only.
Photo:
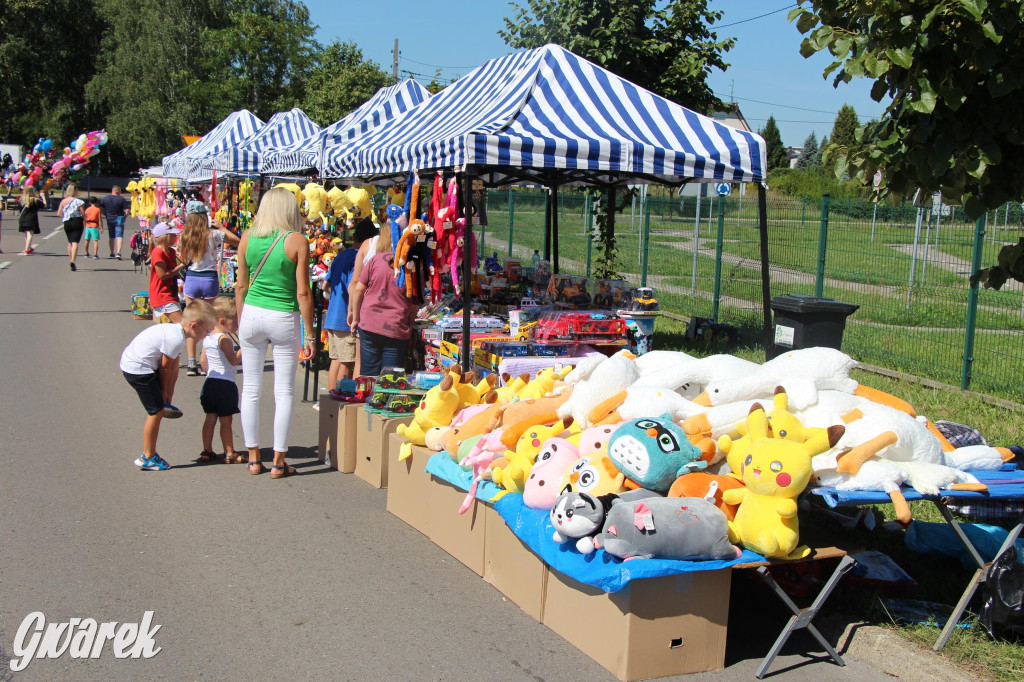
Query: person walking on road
[
  {"x": 116, "y": 207},
  {"x": 70, "y": 210},
  {"x": 28, "y": 219},
  {"x": 271, "y": 291},
  {"x": 92, "y": 228}
]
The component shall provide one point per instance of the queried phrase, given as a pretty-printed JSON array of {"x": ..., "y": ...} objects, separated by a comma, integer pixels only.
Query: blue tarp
[{"x": 533, "y": 527}]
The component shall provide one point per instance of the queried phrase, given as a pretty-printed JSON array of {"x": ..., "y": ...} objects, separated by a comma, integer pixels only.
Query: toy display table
[{"x": 1006, "y": 485}]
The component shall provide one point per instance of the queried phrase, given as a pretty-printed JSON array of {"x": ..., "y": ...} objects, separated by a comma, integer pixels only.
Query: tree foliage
[
  {"x": 667, "y": 47},
  {"x": 954, "y": 70},
  {"x": 340, "y": 80},
  {"x": 774, "y": 148},
  {"x": 809, "y": 154}
]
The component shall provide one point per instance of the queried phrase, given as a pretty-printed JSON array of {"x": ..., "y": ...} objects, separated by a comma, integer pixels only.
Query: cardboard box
[
  {"x": 461, "y": 535},
  {"x": 338, "y": 433},
  {"x": 372, "y": 443},
  {"x": 512, "y": 567},
  {"x": 653, "y": 628},
  {"x": 409, "y": 485}
]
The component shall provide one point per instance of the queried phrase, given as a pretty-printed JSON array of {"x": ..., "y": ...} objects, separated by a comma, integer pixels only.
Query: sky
[{"x": 766, "y": 77}]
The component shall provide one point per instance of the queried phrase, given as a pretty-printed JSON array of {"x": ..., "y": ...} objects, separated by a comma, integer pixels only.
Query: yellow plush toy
[
  {"x": 316, "y": 199},
  {"x": 511, "y": 471},
  {"x": 510, "y": 391},
  {"x": 294, "y": 189},
  {"x": 436, "y": 408},
  {"x": 133, "y": 188},
  {"x": 775, "y": 471},
  {"x": 595, "y": 474}
]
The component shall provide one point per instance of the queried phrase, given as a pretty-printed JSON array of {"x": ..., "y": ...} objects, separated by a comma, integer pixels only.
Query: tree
[
  {"x": 267, "y": 47},
  {"x": 843, "y": 141},
  {"x": 156, "y": 77},
  {"x": 954, "y": 70},
  {"x": 809, "y": 154},
  {"x": 774, "y": 149},
  {"x": 45, "y": 58},
  {"x": 668, "y": 48},
  {"x": 339, "y": 81},
  {"x": 817, "y": 161}
]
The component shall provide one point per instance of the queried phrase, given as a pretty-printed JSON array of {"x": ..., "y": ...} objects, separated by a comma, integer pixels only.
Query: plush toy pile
[{"x": 669, "y": 456}]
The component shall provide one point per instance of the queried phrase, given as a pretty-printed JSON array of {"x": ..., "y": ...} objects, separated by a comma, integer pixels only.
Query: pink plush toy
[
  {"x": 553, "y": 460},
  {"x": 487, "y": 449}
]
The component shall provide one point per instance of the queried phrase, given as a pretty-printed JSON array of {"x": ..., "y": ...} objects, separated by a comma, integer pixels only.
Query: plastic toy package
[
  {"x": 583, "y": 326},
  {"x": 569, "y": 290}
]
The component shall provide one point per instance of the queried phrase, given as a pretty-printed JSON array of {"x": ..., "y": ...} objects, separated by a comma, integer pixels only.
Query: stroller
[{"x": 139, "y": 244}]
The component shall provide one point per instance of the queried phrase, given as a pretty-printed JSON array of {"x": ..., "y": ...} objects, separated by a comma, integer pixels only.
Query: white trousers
[{"x": 258, "y": 328}]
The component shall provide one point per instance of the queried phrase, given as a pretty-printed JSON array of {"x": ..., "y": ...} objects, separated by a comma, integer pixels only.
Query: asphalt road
[{"x": 250, "y": 578}]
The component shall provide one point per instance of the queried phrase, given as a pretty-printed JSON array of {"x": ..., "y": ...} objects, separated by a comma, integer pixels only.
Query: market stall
[
  {"x": 185, "y": 164},
  {"x": 283, "y": 130}
]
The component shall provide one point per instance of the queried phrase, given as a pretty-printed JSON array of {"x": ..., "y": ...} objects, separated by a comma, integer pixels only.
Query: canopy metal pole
[
  {"x": 554, "y": 229},
  {"x": 766, "y": 283},
  {"x": 467, "y": 266},
  {"x": 610, "y": 232},
  {"x": 547, "y": 225}
]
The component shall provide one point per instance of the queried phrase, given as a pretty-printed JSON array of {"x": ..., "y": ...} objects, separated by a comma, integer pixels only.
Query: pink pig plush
[{"x": 553, "y": 460}]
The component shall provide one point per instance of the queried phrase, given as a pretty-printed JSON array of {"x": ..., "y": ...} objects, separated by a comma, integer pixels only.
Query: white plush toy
[
  {"x": 690, "y": 378},
  {"x": 928, "y": 479},
  {"x": 599, "y": 381},
  {"x": 975, "y": 458},
  {"x": 874, "y": 475},
  {"x": 657, "y": 360}
]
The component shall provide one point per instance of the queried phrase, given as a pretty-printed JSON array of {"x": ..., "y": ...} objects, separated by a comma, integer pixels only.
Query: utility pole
[{"x": 394, "y": 63}]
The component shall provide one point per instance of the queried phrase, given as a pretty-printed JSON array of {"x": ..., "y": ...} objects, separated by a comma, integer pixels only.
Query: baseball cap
[
  {"x": 162, "y": 229},
  {"x": 196, "y": 207}
]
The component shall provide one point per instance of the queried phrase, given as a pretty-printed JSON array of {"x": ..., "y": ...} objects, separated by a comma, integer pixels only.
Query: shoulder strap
[{"x": 256, "y": 272}]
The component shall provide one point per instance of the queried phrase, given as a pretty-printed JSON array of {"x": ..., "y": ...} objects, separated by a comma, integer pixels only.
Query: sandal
[
  {"x": 250, "y": 465},
  {"x": 282, "y": 470},
  {"x": 206, "y": 457},
  {"x": 237, "y": 458}
]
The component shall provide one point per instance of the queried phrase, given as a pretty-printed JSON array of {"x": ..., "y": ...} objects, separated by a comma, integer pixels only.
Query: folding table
[{"x": 1006, "y": 485}]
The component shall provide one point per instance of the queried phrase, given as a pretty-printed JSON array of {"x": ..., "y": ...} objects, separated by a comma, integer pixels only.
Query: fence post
[
  {"x": 511, "y": 218},
  {"x": 913, "y": 256},
  {"x": 589, "y": 229},
  {"x": 803, "y": 209},
  {"x": 972, "y": 305},
  {"x": 696, "y": 245},
  {"x": 819, "y": 279},
  {"x": 718, "y": 259},
  {"x": 647, "y": 243}
]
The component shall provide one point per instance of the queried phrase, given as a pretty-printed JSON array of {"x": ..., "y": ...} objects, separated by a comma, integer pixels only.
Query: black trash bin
[{"x": 807, "y": 321}]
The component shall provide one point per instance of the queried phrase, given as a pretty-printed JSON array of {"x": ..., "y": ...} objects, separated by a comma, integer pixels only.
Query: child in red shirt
[{"x": 163, "y": 273}]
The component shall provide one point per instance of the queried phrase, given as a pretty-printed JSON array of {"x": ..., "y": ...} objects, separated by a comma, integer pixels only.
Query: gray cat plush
[
  {"x": 666, "y": 528},
  {"x": 580, "y": 516}
]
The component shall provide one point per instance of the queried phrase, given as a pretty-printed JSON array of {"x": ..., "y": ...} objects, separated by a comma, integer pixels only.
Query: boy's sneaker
[
  {"x": 192, "y": 371},
  {"x": 171, "y": 412},
  {"x": 154, "y": 463},
  {"x": 117, "y": 256}
]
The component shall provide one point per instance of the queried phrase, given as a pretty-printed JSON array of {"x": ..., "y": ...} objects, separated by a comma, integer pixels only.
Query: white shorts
[{"x": 167, "y": 309}]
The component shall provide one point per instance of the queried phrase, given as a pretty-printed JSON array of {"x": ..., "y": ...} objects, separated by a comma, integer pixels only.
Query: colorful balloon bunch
[{"x": 40, "y": 163}]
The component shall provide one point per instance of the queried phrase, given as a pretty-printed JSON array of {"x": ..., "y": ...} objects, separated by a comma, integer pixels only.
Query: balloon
[
  {"x": 48, "y": 184},
  {"x": 30, "y": 182},
  {"x": 77, "y": 167},
  {"x": 67, "y": 151},
  {"x": 94, "y": 152}
]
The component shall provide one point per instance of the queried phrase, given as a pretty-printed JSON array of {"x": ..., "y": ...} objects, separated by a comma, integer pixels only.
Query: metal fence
[{"x": 906, "y": 268}]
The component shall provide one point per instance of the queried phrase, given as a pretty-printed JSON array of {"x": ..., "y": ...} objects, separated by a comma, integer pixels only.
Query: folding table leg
[
  {"x": 802, "y": 618},
  {"x": 980, "y": 576}
]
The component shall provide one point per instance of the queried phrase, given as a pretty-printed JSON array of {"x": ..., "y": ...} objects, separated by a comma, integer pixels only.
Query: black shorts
[
  {"x": 73, "y": 228},
  {"x": 149, "y": 389},
  {"x": 219, "y": 397}
]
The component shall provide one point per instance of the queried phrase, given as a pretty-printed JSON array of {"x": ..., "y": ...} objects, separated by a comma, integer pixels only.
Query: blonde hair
[
  {"x": 195, "y": 238},
  {"x": 225, "y": 307},
  {"x": 278, "y": 212},
  {"x": 384, "y": 244},
  {"x": 71, "y": 190},
  {"x": 201, "y": 311},
  {"x": 28, "y": 193}
]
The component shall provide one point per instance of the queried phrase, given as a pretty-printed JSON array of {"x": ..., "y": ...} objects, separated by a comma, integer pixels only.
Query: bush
[{"x": 813, "y": 184}]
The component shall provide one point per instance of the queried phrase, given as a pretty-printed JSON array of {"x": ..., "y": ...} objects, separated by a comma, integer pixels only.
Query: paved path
[{"x": 305, "y": 578}]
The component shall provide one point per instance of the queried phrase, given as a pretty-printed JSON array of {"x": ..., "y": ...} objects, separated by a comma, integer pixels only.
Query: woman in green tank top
[{"x": 269, "y": 298}]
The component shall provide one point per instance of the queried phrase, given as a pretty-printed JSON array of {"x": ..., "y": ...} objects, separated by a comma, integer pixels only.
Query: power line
[
  {"x": 784, "y": 106},
  {"x": 759, "y": 16},
  {"x": 437, "y": 66}
]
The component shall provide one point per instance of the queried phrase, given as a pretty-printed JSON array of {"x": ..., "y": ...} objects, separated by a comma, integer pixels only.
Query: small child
[
  {"x": 219, "y": 396},
  {"x": 163, "y": 273},
  {"x": 150, "y": 366},
  {"x": 91, "y": 221}
]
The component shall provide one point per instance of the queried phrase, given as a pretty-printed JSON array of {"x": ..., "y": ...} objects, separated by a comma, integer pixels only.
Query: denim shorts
[
  {"x": 116, "y": 227},
  {"x": 202, "y": 284}
]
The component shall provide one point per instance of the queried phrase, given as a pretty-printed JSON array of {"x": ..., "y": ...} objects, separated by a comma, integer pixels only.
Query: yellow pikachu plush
[
  {"x": 316, "y": 199},
  {"x": 781, "y": 424},
  {"x": 436, "y": 408},
  {"x": 775, "y": 471}
]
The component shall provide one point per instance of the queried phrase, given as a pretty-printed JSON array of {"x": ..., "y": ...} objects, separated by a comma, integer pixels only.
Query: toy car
[
  {"x": 528, "y": 303},
  {"x": 353, "y": 390},
  {"x": 399, "y": 381},
  {"x": 644, "y": 299},
  {"x": 402, "y": 404},
  {"x": 377, "y": 401}
]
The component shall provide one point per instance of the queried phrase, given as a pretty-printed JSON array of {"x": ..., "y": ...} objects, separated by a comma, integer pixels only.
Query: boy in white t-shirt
[
  {"x": 219, "y": 397},
  {"x": 150, "y": 365}
]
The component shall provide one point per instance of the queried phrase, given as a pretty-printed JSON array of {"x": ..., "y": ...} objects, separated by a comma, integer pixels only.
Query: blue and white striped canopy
[
  {"x": 281, "y": 131},
  {"x": 523, "y": 115},
  {"x": 186, "y": 163},
  {"x": 386, "y": 105}
]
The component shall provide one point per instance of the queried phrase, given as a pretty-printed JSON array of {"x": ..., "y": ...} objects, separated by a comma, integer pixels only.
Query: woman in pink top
[{"x": 381, "y": 312}]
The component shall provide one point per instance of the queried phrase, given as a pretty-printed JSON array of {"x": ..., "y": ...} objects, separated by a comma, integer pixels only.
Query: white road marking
[
  {"x": 54, "y": 233},
  {"x": 4, "y": 264}
]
